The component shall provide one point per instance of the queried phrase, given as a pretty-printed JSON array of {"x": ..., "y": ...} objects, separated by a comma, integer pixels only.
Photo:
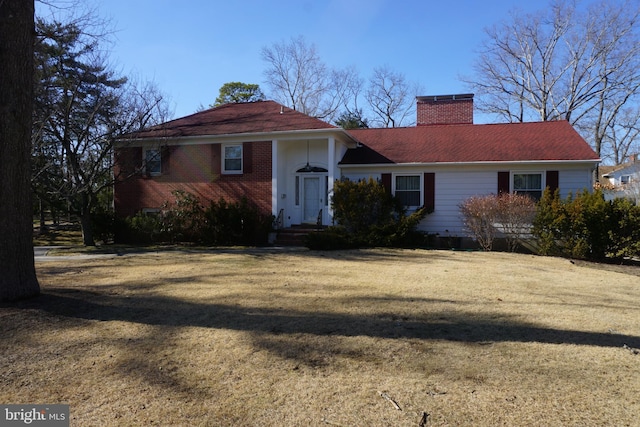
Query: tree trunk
[
  {"x": 43, "y": 223},
  {"x": 17, "y": 269},
  {"x": 87, "y": 228}
]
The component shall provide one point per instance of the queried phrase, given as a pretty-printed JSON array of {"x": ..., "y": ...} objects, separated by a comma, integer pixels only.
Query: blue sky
[{"x": 191, "y": 48}]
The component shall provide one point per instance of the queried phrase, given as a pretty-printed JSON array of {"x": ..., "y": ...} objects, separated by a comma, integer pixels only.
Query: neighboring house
[
  {"x": 286, "y": 162},
  {"x": 622, "y": 181}
]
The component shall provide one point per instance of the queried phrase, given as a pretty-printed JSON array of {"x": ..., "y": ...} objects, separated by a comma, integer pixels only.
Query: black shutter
[
  {"x": 216, "y": 161},
  {"x": 386, "y": 182},
  {"x": 247, "y": 157},
  {"x": 503, "y": 182},
  {"x": 430, "y": 191},
  {"x": 553, "y": 180},
  {"x": 165, "y": 155}
]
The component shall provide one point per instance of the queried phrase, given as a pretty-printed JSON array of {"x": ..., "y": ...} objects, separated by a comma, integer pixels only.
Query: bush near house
[
  {"x": 485, "y": 217},
  {"x": 185, "y": 220},
  {"x": 368, "y": 216},
  {"x": 588, "y": 227}
]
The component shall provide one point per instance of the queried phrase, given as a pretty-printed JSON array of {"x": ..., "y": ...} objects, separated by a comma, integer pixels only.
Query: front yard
[{"x": 291, "y": 338}]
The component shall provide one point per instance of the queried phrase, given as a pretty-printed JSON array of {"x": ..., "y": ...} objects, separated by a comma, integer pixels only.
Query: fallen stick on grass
[
  {"x": 326, "y": 421},
  {"x": 387, "y": 397},
  {"x": 423, "y": 420}
]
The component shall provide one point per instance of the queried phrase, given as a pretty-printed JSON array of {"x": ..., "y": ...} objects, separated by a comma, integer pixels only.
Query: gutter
[
  {"x": 245, "y": 137},
  {"x": 594, "y": 162}
]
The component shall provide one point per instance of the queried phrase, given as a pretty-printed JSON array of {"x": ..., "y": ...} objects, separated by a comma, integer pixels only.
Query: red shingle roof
[
  {"x": 227, "y": 119},
  {"x": 470, "y": 143}
]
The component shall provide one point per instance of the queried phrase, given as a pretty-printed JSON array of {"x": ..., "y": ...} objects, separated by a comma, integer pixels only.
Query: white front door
[{"x": 312, "y": 199}]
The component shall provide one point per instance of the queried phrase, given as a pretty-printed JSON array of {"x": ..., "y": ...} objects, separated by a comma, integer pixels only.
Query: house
[
  {"x": 286, "y": 162},
  {"x": 622, "y": 181}
]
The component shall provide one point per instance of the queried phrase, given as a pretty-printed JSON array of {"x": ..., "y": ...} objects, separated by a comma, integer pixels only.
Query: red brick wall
[
  {"x": 195, "y": 169},
  {"x": 448, "y": 109}
]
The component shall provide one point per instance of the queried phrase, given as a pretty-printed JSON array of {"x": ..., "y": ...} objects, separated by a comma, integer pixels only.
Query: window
[
  {"x": 625, "y": 179},
  {"x": 152, "y": 162},
  {"x": 232, "y": 161},
  {"x": 528, "y": 183},
  {"x": 408, "y": 190}
]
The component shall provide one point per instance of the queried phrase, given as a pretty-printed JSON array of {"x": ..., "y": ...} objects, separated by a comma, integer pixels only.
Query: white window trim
[
  {"x": 146, "y": 167},
  {"x": 543, "y": 178},
  {"x": 420, "y": 182},
  {"x": 223, "y": 158}
]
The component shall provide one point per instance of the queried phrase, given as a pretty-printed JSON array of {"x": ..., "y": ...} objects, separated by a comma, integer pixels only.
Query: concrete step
[{"x": 294, "y": 236}]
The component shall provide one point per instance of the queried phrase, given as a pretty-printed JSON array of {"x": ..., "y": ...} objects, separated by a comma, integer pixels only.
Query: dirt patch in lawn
[{"x": 264, "y": 337}]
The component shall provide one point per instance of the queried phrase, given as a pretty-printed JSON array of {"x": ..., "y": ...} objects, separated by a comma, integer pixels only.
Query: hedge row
[
  {"x": 586, "y": 226},
  {"x": 185, "y": 220}
]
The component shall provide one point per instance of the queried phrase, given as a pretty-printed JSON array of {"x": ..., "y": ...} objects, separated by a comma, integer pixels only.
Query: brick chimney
[{"x": 445, "y": 109}]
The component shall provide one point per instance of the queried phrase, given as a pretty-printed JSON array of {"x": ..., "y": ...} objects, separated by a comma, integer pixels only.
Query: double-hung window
[
  {"x": 232, "y": 159},
  {"x": 530, "y": 183},
  {"x": 152, "y": 162},
  {"x": 407, "y": 189}
]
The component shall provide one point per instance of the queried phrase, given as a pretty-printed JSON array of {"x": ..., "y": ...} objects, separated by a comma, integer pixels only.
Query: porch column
[
  {"x": 274, "y": 178},
  {"x": 331, "y": 161}
]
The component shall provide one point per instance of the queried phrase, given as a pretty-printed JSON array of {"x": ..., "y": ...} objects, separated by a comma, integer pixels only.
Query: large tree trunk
[
  {"x": 17, "y": 269},
  {"x": 87, "y": 228}
]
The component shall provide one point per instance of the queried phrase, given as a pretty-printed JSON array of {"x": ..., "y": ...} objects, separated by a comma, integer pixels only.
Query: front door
[{"x": 312, "y": 199}]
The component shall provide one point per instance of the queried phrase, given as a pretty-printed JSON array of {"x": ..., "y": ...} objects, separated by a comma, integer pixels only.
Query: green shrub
[
  {"x": 104, "y": 226},
  {"x": 139, "y": 229},
  {"x": 183, "y": 219},
  {"x": 368, "y": 215},
  {"x": 186, "y": 220},
  {"x": 587, "y": 227},
  {"x": 625, "y": 229},
  {"x": 235, "y": 224}
]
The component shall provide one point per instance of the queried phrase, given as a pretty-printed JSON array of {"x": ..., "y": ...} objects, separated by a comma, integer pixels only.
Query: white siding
[
  {"x": 574, "y": 181},
  {"x": 452, "y": 188},
  {"x": 455, "y": 183}
]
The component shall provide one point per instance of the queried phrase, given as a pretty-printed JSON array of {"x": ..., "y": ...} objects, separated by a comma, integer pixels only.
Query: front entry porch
[{"x": 294, "y": 235}]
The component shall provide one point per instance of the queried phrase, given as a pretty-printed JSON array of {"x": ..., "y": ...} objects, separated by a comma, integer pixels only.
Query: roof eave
[
  {"x": 593, "y": 162},
  {"x": 339, "y": 133}
]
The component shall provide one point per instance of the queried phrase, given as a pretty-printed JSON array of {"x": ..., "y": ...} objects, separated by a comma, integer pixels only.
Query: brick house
[{"x": 286, "y": 162}]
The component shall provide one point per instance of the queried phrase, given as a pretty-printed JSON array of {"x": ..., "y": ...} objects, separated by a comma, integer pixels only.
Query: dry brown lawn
[{"x": 301, "y": 338}]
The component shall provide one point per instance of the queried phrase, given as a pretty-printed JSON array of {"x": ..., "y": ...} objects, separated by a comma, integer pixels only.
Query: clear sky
[{"x": 191, "y": 48}]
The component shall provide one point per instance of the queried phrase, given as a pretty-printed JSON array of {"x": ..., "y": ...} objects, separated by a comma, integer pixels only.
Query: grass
[
  {"x": 62, "y": 234},
  {"x": 267, "y": 337}
]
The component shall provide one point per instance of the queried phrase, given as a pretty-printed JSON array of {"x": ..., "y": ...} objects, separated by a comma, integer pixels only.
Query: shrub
[
  {"x": 183, "y": 219},
  {"x": 587, "y": 227},
  {"x": 485, "y": 217},
  {"x": 515, "y": 215},
  {"x": 141, "y": 228},
  {"x": 235, "y": 224},
  {"x": 360, "y": 206},
  {"x": 624, "y": 229},
  {"x": 186, "y": 220},
  {"x": 368, "y": 215},
  {"x": 479, "y": 215}
]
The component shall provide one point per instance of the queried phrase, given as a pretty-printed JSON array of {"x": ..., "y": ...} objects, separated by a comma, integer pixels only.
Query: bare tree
[
  {"x": 17, "y": 270},
  {"x": 299, "y": 79},
  {"x": 562, "y": 63},
  {"x": 624, "y": 137},
  {"x": 82, "y": 107},
  {"x": 391, "y": 98}
]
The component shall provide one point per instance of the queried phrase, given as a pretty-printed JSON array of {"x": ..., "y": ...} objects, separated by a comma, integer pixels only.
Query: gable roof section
[
  {"x": 509, "y": 142},
  {"x": 240, "y": 118}
]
